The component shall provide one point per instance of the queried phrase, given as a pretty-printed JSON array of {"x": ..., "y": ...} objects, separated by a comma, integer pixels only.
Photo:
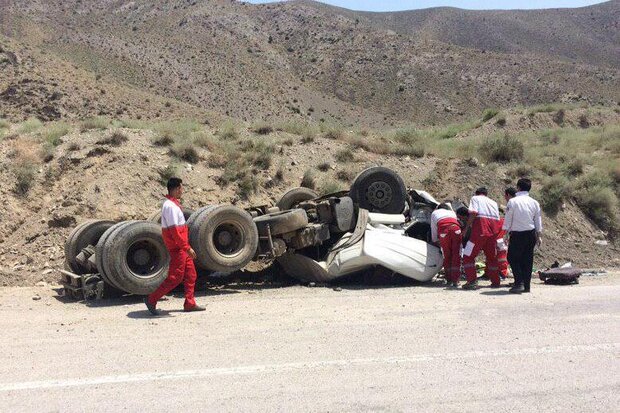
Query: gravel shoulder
[{"x": 317, "y": 349}]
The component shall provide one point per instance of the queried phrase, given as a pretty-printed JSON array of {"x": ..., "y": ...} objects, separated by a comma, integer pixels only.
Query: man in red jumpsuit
[
  {"x": 176, "y": 237},
  {"x": 445, "y": 228},
  {"x": 502, "y": 247},
  {"x": 484, "y": 221}
]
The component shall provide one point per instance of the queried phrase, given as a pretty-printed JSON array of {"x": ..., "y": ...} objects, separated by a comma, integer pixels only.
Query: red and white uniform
[
  {"x": 445, "y": 228},
  {"x": 484, "y": 235},
  {"x": 502, "y": 253},
  {"x": 176, "y": 237}
]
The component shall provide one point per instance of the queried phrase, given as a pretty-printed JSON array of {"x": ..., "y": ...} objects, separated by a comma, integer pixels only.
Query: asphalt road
[{"x": 316, "y": 349}]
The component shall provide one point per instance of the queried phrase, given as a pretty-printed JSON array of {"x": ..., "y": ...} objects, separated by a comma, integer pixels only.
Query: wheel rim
[
  {"x": 379, "y": 194},
  {"x": 228, "y": 239},
  {"x": 144, "y": 258}
]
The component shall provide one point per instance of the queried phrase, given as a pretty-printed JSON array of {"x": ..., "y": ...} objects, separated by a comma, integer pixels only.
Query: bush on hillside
[{"x": 502, "y": 149}]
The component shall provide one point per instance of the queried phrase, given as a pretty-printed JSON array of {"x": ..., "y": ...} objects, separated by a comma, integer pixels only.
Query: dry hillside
[
  {"x": 307, "y": 60},
  {"x": 58, "y": 174}
]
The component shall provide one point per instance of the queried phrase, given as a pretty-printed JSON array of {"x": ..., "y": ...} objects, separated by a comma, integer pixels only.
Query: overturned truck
[{"x": 314, "y": 239}]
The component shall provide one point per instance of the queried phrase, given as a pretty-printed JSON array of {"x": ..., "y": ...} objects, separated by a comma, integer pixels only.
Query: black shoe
[
  {"x": 517, "y": 289},
  {"x": 498, "y": 285},
  {"x": 151, "y": 307},
  {"x": 526, "y": 290},
  {"x": 470, "y": 285},
  {"x": 194, "y": 308}
]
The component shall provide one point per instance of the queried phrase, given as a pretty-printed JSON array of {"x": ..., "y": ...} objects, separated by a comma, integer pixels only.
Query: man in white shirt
[{"x": 524, "y": 224}]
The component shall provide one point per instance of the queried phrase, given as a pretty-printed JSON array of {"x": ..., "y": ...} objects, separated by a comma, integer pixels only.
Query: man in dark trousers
[
  {"x": 523, "y": 223},
  {"x": 176, "y": 237}
]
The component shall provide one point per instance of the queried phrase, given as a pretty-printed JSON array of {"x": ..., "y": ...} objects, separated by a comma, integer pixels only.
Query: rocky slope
[{"x": 308, "y": 60}]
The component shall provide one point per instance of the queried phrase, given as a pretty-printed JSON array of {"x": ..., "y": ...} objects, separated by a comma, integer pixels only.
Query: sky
[{"x": 393, "y": 5}]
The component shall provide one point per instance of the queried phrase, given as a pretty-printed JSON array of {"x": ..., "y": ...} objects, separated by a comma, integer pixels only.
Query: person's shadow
[{"x": 495, "y": 292}]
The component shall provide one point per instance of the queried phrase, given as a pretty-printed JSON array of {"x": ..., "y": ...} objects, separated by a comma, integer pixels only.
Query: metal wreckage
[{"x": 377, "y": 222}]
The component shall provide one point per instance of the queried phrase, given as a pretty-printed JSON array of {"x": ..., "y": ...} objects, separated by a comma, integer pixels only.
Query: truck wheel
[
  {"x": 133, "y": 257},
  {"x": 379, "y": 189},
  {"x": 294, "y": 196},
  {"x": 303, "y": 268},
  {"x": 156, "y": 216},
  {"x": 101, "y": 263},
  {"x": 85, "y": 234},
  {"x": 224, "y": 237},
  {"x": 281, "y": 222}
]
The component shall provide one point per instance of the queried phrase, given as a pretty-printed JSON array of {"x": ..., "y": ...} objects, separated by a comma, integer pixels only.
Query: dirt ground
[{"x": 349, "y": 348}]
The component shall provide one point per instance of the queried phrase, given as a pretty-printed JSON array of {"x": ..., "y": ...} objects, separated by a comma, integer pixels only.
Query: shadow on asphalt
[
  {"x": 144, "y": 314},
  {"x": 495, "y": 292}
]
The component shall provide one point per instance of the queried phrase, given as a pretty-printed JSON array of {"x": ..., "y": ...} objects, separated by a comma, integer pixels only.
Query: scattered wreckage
[{"x": 314, "y": 239}]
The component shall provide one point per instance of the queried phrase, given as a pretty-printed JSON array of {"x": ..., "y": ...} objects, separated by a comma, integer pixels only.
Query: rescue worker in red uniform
[
  {"x": 445, "y": 228},
  {"x": 484, "y": 221},
  {"x": 176, "y": 237},
  {"x": 502, "y": 247}
]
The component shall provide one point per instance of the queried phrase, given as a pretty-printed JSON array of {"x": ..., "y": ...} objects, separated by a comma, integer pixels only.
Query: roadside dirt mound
[{"x": 93, "y": 176}]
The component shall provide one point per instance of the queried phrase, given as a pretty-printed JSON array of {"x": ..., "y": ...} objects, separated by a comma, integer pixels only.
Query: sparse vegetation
[
  {"x": 247, "y": 185},
  {"x": 308, "y": 180},
  {"x": 489, "y": 114},
  {"x": 345, "y": 155},
  {"x": 323, "y": 166},
  {"x": 262, "y": 128},
  {"x": 553, "y": 193},
  {"x": 345, "y": 176},
  {"x": 53, "y": 133},
  {"x": 94, "y": 123},
  {"x": 168, "y": 172},
  {"x": 30, "y": 125},
  {"x": 116, "y": 138},
  {"x": 228, "y": 131},
  {"x": 504, "y": 148},
  {"x": 330, "y": 186},
  {"x": 185, "y": 151},
  {"x": 308, "y": 137}
]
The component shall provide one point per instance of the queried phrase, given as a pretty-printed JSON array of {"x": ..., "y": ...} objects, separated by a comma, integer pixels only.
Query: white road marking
[{"x": 273, "y": 368}]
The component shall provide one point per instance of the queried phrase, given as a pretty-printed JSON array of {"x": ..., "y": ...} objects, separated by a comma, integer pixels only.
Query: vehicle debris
[{"x": 314, "y": 239}]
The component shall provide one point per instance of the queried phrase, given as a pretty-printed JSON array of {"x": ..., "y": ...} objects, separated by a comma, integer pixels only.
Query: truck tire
[
  {"x": 379, "y": 189},
  {"x": 303, "y": 268},
  {"x": 281, "y": 222},
  {"x": 224, "y": 237},
  {"x": 133, "y": 257},
  {"x": 101, "y": 263},
  {"x": 294, "y": 196},
  {"x": 85, "y": 234},
  {"x": 156, "y": 216}
]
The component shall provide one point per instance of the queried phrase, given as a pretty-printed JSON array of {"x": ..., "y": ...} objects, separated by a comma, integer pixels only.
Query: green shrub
[
  {"x": 185, "y": 151},
  {"x": 333, "y": 133},
  {"x": 308, "y": 180},
  {"x": 323, "y": 167},
  {"x": 329, "y": 186},
  {"x": 553, "y": 193},
  {"x": 4, "y": 124},
  {"x": 228, "y": 131},
  {"x": 116, "y": 138},
  {"x": 262, "y": 128},
  {"x": 94, "y": 123},
  {"x": 296, "y": 127},
  {"x": 54, "y": 132},
  {"x": 502, "y": 149},
  {"x": 168, "y": 172},
  {"x": 489, "y": 114},
  {"x": 596, "y": 198},
  {"x": 407, "y": 135},
  {"x": 30, "y": 125},
  {"x": 501, "y": 121},
  {"x": 345, "y": 176},
  {"x": 308, "y": 137},
  {"x": 345, "y": 155},
  {"x": 247, "y": 185},
  {"x": 25, "y": 174},
  {"x": 575, "y": 167}
]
